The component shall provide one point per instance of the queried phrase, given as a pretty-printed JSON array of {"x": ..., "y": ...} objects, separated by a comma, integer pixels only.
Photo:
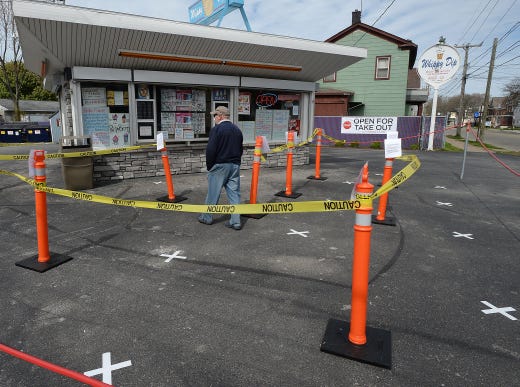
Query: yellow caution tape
[
  {"x": 301, "y": 143},
  {"x": 398, "y": 179},
  {"x": 334, "y": 140},
  {"x": 79, "y": 154},
  {"x": 259, "y": 208}
]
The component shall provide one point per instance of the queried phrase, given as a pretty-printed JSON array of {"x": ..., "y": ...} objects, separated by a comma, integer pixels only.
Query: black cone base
[
  {"x": 387, "y": 221},
  {"x": 254, "y": 216},
  {"x": 377, "y": 351},
  {"x": 167, "y": 199},
  {"x": 294, "y": 195},
  {"x": 316, "y": 178},
  {"x": 41, "y": 267}
]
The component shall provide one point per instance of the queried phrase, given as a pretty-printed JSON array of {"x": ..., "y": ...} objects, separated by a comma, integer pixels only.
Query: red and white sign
[{"x": 368, "y": 125}]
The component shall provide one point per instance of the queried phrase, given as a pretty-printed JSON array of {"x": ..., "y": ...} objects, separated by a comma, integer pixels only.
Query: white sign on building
[{"x": 368, "y": 125}]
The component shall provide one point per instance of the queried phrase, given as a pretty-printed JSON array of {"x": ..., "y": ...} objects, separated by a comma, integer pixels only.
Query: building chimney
[{"x": 356, "y": 17}]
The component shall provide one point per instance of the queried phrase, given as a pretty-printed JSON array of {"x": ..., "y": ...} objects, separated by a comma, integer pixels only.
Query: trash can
[{"x": 77, "y": 171}]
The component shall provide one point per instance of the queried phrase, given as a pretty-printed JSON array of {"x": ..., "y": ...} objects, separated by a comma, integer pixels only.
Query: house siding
[{"x": 380, "y": 97}]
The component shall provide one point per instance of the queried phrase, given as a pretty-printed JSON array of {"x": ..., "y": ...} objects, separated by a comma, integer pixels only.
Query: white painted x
[
  {"x": 502, "y": 311},
  {"x": 444, "y": 204},
  {"x": 300, "y": 233},
  {"x": 459, "y": 235},
  {"x": 348, "y": 182},
  {"x": 107, "y": 368},
  {"x": 439, "y": 187},
  {"x": 172, "y": 256}
]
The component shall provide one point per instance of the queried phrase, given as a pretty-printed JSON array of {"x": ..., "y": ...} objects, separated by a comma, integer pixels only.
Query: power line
[
  {"x": 484, "y": 21},
  {"x": 373, "y": 24},
  {"x": 498, "y": 22}
]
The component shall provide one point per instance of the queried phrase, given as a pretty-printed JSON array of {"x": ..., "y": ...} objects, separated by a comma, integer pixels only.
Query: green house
[{"x": 383, "y": 84}]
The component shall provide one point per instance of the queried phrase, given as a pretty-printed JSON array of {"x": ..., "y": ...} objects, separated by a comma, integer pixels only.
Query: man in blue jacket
[{"x": 223, "y": 157}]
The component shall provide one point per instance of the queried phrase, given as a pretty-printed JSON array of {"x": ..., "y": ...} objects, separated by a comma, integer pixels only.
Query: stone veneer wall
[{"x": 148, "y": 163}]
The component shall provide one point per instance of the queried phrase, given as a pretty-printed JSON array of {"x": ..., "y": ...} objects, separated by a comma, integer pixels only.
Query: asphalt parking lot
[{"x": 154, "y": 298}]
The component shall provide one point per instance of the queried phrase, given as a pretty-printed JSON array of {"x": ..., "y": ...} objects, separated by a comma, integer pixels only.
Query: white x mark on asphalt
[
  {"x": 444, "y": 204},
  {"x": 459, "y": 235},
  {"x": 348, "y": 182},
  {"x": 502, "y": 311},
  {"x": 107, "y": 368},
  {"x": 172, "y": 256},
  {"x": 439, "y": 187},
  {"x": 300, "y": 233}
]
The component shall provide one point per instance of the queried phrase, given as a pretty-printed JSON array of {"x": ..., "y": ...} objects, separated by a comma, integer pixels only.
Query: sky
[{"x": 461, "y": 22}]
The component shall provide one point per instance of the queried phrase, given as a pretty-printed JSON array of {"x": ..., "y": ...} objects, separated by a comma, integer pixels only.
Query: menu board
[
  {"x": 94, "y": 96},
  {"x": 168, "y": 122},
  {"x": 248, "y": 130},
  {"x": 264, "y": 123},
  {"x": 189, "y": 100},
  {"x": 183, "y": 112},
  {"x": 280, "y": 124},
  {"x": 95, "y": 125}
]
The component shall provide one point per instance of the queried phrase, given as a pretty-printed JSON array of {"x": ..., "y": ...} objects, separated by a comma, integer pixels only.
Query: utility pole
[
  {"x": 488, "y": 88},
  {"x": 460, "y": 120}
]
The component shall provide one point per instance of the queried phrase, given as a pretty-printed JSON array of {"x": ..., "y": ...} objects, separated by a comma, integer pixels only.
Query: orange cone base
[
  {"x": 167, "y": 199},
  {"x": 377, "y": 351},
  {"x": 294, "y": 195},
  {"x": 316, "y": 178},
  {"x": 387, "y": 221},
  {"x": 41, "y": 267}
]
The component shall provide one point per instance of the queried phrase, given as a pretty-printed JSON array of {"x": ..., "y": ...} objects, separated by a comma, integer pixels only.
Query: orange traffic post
[
  {"x": 43, "y": 261},
  {"x": 317, "y": 176},
  {"x": 356, "y": 341},
  {"x": 256, "y": 170},
  {"x": 257, "y": 155},
  {"x": 170, "y": 198},
  {"x": 381, "y": 217},
  {"x": 288, "y": 193}
]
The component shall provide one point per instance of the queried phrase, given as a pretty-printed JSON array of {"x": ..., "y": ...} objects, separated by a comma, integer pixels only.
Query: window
[
  {"x": 105, "y": 114},
  {"x": 382, "y": 67},
  {"x": 330, "y": 78},
  {"x": 269, "y": 113}
]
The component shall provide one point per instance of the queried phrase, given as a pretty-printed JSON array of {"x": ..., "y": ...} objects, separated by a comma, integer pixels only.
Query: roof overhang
[
  {"x": 417, "y": 95},
  {"x": 54, "y": 37}
]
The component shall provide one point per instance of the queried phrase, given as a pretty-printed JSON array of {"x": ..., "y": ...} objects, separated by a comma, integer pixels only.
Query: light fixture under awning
[{"x": 211, "y": 61}]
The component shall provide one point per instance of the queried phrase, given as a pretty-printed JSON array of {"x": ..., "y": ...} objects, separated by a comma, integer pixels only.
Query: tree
[
  {"x": 29, "y": 84},
  {"x": 446, "y": 105},
  {"x": 512, "y": 91},
  {"x": 11, "y": 52}
]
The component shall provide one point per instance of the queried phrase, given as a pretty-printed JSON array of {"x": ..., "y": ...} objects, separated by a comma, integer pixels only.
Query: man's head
[{"x": 220, "y": 113}]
